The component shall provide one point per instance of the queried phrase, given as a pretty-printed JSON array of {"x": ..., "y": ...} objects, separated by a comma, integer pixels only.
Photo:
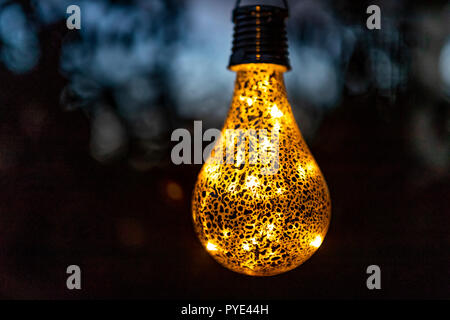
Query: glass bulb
[{"x": 266, "y": 216}]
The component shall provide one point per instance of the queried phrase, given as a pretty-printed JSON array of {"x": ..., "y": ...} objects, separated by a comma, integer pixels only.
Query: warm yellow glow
[
  {"x": 310, "y": 167},
  {"x": 252, "y": 182},
  {"x": 316, "y": 242},
  {"x": 265, "y": 222},
  {"x": 212, "y": 168},
  {"x": 275, "y": 112},
  {"x": 174, "y": 191},
  {"x": 301, "y": 172},
  {"x": 213, "y": 171},
  {"x": 211, "y": 247},
  {"x": 232, "y": 187}
]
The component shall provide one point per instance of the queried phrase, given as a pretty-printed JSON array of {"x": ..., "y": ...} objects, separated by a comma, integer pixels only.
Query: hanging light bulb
[{"x": 268, "y": 211}]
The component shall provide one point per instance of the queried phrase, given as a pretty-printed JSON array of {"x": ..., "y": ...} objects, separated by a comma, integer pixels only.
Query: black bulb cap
[{"x": 260, "y": 35}]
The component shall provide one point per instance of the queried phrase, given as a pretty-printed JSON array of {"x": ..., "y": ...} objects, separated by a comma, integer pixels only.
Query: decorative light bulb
[{"x": 269, "y": 210}]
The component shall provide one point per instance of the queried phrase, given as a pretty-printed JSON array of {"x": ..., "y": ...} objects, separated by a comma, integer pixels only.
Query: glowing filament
[
  {"x": 275, "y": 112},
  {"x": 316, "y": 242},
  {"x": 211, "y": 247},
  {"x": 252, "y": 182}
]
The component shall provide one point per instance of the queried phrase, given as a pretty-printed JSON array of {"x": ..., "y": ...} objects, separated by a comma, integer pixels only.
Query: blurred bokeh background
[{"x": 85, "y": 123}]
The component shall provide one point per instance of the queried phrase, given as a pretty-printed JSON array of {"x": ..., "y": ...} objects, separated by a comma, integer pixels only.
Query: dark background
[{"x": 85, "y": 123}]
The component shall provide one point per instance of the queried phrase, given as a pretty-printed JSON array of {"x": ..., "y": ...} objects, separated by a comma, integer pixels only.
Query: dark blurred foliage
[
  {"x": 85, "y": 124},
  {"x": 141, "y": 68}
]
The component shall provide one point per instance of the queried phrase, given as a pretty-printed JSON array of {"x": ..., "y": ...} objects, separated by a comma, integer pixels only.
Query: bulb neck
[
  {"x": 260, "y": 36},
  {"x": 260, "y": 96}
]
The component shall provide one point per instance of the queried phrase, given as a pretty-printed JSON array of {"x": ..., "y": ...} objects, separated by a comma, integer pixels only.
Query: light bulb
[{"x": 267, "y": 214}]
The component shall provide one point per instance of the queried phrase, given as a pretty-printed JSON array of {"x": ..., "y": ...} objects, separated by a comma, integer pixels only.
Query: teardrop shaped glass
[{"x": 267, "y": 211}]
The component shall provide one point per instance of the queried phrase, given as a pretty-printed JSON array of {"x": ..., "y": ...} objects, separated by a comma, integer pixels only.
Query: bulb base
[{"x": 260, "y": 35}]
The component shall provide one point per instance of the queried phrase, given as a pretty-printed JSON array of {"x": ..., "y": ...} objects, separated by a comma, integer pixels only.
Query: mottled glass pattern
[{"x": 256, "y": 216}]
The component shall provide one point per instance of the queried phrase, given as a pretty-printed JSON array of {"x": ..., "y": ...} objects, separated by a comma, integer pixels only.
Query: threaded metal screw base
[{"x": 260, "y": 35}]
